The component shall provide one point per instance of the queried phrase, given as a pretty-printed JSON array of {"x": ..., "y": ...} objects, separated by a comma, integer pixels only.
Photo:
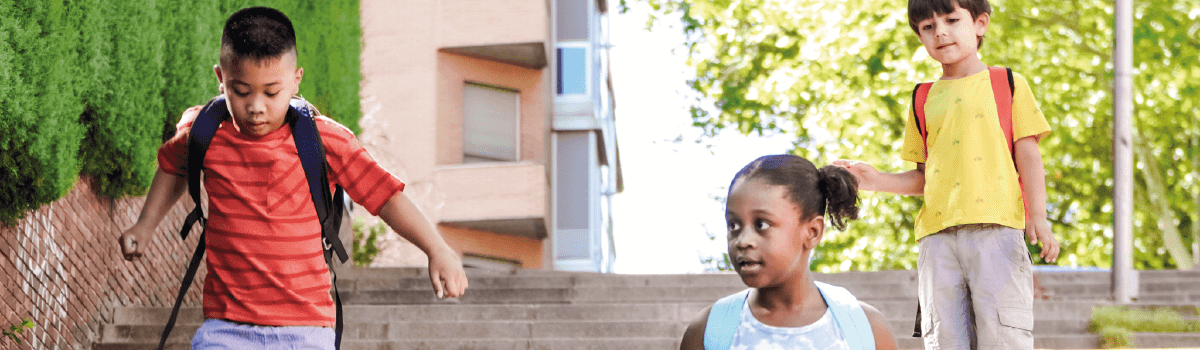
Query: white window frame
[{"x": 587, "y": 66}]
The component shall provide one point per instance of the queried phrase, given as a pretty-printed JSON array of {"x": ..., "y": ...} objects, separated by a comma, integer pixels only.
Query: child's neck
[
  {"x": 791, "y": 305},
  {"x": 789, "y": 295},
  {"x": 962, "y": 69}
]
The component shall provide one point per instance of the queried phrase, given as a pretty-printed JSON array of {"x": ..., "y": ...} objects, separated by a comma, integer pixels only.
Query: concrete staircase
[{"x": 394, "y": 308}]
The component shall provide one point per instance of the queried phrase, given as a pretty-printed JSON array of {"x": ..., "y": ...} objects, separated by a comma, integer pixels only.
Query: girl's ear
[{"x": 814, "y": 230}]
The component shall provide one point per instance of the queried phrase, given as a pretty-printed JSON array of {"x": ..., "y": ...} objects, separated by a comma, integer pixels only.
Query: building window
[
  {"x": 574, "y": 160},
  {"x": 572, "y": 20},
  {"x": 491, "y": 116},
  {"x": 572, "y": 69}
]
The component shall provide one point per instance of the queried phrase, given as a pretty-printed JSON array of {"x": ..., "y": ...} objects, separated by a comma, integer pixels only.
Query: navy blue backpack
[{"x": 301, "y": 117}]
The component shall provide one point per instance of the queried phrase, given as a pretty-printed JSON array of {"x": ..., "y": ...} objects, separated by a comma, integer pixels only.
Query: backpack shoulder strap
[
  {"x": 312, "y": 160},
  {"x": 723, "y": 321},
  {"x": 201, "y": 135},
  {"x": 920, "y": 94},
  {"x": 1002, "y": 90},
  {"x": 849, "y": 316}
]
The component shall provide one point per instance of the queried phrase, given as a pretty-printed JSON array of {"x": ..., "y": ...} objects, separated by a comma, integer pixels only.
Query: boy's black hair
[
  {"x": 814, "y": 190},
  {"x": 920, "y": 10},
  {"x": 256, "y": 33}
]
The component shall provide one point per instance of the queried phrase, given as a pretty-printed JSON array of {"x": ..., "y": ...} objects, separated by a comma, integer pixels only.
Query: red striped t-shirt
[{"x": 265, "y": 263}]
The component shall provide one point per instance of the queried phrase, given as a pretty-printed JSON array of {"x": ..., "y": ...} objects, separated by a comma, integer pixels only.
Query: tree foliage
[
  {"x": 39, "y": 107},
  {"x": 839, "y": 76},
  {"x": 364, "y": 246}
]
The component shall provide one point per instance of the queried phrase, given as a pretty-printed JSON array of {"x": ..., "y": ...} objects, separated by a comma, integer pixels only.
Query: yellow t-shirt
[{"x": 970, "y": 177}]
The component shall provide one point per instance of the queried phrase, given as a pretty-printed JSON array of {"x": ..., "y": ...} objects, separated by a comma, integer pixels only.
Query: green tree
[
  {"x": 364, "y": 247},
  {"x": 839, "y": 75}
]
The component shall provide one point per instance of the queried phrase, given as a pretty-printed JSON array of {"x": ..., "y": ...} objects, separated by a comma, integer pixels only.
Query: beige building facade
[{"x": 504, "y": 141}]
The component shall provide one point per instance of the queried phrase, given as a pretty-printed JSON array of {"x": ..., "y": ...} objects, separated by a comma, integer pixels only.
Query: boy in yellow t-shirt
[{"x": 974, "y": 273}]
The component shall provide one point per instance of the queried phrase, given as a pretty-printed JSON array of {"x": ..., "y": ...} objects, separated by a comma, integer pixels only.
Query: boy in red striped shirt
[{"x": 265, "y": 262}]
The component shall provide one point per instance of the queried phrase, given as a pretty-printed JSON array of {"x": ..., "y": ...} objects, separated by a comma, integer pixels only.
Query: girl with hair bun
[{"x": 775, "y": 213}]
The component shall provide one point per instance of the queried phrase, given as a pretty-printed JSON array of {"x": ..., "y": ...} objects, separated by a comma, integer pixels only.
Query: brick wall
[{"x": 63, "y": 269}]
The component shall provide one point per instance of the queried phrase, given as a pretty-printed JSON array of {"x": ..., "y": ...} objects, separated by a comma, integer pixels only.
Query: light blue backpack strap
[
  {"x": 723, "y": 321},
  {"x": 849, "y": 315}
]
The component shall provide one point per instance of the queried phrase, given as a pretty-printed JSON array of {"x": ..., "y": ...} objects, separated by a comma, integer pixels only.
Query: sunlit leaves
[{"x": 839, "y": 76}]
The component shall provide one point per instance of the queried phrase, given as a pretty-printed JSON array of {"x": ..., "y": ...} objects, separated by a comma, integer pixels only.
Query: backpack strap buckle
[{"x": 196, "y": 216}]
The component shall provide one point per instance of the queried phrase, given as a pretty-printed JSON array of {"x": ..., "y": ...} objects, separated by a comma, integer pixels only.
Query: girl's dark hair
[
  {"x": 256, "y": 33},
  {"x": 816, "y": 191},
  {"x": 920, "y": 10}
]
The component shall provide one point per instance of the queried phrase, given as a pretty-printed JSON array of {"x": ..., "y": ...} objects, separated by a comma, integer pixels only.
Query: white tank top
[{"x": 821, "y": 335}]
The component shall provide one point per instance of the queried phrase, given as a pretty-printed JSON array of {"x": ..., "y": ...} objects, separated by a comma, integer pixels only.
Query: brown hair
[
  {"x": 920, "y": 10},
  {"x": 815, "y": 191}
]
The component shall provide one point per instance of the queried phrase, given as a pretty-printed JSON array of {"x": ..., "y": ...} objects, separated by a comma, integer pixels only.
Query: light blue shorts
[{"x": 217, "y": 334}]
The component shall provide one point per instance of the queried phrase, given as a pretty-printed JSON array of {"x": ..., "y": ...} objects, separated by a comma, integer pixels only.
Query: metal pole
[
  {"x": 1195, "y": 199},
  {"x": 1122, "y": 268}
]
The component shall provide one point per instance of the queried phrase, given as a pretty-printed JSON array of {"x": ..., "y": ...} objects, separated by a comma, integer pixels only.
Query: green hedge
[
  {"x": 39, "y": 105},
  {"x": 94, "y": 86}
]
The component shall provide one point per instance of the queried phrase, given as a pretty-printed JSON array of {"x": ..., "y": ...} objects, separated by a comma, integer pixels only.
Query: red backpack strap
[
  {"x": 1002, "y": 89},
  {"x": 920, "y": 94}
]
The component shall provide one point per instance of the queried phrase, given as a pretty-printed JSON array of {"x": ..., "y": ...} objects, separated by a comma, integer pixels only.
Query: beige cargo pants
[{"x": 976, "y": 288}]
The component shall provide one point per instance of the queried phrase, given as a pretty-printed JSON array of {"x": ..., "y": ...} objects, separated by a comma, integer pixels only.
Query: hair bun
[{"x": 841, "y": 194}]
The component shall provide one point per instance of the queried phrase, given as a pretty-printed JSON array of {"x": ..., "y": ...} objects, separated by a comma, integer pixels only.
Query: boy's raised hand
[
  {"x": 1038, "y": 230},
  {"x": 447, "y": 275},
  {"x": 863, "y": 172}
]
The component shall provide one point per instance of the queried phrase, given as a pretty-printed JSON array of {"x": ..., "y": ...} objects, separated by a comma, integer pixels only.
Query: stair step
[
  {"x": 454, "y": 344},
  {"x": 1041, "y": 327},
  {"x": 1067, "y": 341},
  {"x": 1057, "y": 341},
  {"x": 1081, "y": 341},
  {"x": 132, "y": 333},
  {"x": 472, "y": 296},
  {"x": 1165, "y": 340},
  {"x": 907, "y": 342},
  {"x": 1183, "y": 309},
  {"x": 587, "y": 295},
  {"x": 419, "y": 279},
  {"x": 443, "y": 330},
  {"x": 517, "y": 344},
  {"x": 461, "y": 312},
  {"x": 479, "y": 283},
  {"x": 664, "y": 311},
  {"x": 394, "y": 308}
]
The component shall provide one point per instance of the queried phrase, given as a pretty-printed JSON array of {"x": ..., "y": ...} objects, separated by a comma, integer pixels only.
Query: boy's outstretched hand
[
  {"x": 447, "y": 275},
  {"x": 445, "y": 269},
  {"x": 863, "y": 172},
  {"x": 1038, "y": 230}
]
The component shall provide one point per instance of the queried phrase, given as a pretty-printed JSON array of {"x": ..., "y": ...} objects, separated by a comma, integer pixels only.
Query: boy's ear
[
  {"x": 981, "y": 23},
  {"x": 220, "y": 79},
  {"x": 299, "y": 77},
  {"x": 217, "y": 70}
]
